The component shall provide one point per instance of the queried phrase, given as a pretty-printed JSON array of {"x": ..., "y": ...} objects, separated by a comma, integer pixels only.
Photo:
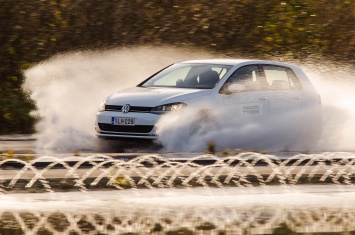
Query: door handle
[
  {"x": 297, "y": 98},
  {"x": 263, "y": 98}
]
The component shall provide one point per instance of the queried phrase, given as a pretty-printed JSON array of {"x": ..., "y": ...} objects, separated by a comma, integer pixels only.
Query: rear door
[{"x": 284, "y": 90}]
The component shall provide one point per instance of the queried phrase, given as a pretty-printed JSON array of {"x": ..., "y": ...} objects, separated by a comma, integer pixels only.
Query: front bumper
[{"x": 144, "y": 125}]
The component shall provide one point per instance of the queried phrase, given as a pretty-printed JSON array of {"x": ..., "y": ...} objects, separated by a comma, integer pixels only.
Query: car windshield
[{"x": 201, "y": 76}]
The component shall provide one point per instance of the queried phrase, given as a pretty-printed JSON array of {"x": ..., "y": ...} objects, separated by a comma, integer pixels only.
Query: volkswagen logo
[{"x": 125, "y": 108}]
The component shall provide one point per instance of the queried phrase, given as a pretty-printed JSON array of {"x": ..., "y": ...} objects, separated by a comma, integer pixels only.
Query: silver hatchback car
[{"x": 253, "y": 89}]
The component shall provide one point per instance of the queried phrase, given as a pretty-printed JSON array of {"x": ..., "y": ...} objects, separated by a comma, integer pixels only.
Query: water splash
[
  {"x": 68, "y": 89},
  {"x": 248, "y": 169},
  {"x": 229, "y": 211}
]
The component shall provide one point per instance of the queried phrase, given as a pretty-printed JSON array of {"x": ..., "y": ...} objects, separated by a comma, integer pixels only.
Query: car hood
[{"x": 153, "y": 96}]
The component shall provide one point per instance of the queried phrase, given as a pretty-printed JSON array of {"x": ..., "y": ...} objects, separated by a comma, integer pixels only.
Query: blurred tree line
[{"x": 34, "y": 30}]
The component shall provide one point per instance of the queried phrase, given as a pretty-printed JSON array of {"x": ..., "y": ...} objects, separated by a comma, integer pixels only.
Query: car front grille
[
  {"x": 136, "y": 109},
  {"x": 129, "y": 129}
]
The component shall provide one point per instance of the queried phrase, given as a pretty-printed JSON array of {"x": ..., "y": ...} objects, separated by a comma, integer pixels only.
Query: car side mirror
[
  {"x": 180, "y": 83},
  {"x": 236, "y": 87}
]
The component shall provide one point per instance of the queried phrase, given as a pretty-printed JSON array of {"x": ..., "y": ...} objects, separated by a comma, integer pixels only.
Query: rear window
[{"x": 280, "y": 78}]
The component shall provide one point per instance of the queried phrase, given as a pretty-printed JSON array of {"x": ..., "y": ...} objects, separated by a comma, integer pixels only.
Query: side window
[
  {"x": 247, "y": 76},
  {"x": 280, "y": 78}
]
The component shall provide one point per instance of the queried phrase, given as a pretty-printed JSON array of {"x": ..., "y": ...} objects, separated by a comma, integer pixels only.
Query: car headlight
[
  {"x": 102, "y": 107},
  {"x": 161, "y": 109}
]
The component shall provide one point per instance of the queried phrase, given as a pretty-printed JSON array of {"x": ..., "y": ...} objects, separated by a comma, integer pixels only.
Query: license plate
[{"x": 123, "y": 121}]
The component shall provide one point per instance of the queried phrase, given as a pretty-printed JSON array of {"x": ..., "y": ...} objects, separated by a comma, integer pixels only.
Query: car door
[
  {"x": 244, "y": 94},
  {"x": 284, "y": 90}
]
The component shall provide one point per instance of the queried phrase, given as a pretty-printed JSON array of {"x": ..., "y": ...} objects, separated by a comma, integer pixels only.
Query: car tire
[{"x": 203, "y": 123}]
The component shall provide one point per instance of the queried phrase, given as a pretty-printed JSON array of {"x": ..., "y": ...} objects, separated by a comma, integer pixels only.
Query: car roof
[
  {"x": 216, "y": 61},
  {"x": 234, "y": 62}
]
